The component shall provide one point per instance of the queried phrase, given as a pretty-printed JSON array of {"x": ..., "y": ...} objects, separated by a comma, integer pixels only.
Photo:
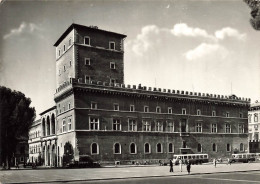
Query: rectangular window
[
  {"x": 70, "y": 63},
  {"x": 116, "y": 124},
  {"x": 112, "y": 65},
  {"x": 59, "y": 52},
  {"x": 63, "y": 125},
  {"x": 69, "y": 106},
  {"x": 112, "y": 81},
  {"x": 213, "y": 113},
  {"x": 169, "y": 110},
  {"x": 94, "y": 123},
  {"x": 255, "y": 117},
  {"x": 112, "y": 45},
  {"x": 146, "y": 109},
  {"x": 116, "y": 107},
  {"x": 241, "y": 128},
  {"x": 227, "y": 114},
  {"x": 183, "y": 111},
  {"x": 198, "y": 127},
  {"x": 87, "y": 61},
  {"x": 64, "y": 68},
  {"x": 241, "y": 115},
  {"x": 69, "y": 124},
  {"x": 228, "y": 147},
  {"x": 64, "y": 48},
  {"x": 159, "y": 126},
  {"x": 249, "y": 118},
  {"x": 228, "y": 128},
  {"x": 87, "y": 79},
  {"x": 86, "y": 40},
  {"x": 158, "y": 109},
  {"x": 93, "y": 105},
  {"x": 198, "y": 112},
  {"x": 69, "y": 42},
  {"x": 147, "y": 126},
  {"x": 132, "y": 125},
  {"x": 170, "y": 127},
  {"x": 132, "y": 108},
  {"x": 214, "y": 128}
]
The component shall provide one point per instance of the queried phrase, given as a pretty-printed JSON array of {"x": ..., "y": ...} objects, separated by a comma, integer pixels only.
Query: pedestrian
[
  {"x": 228, "y": 161},
  {"x": 171, "y": 166},
  {"x": 188, "y": 166},
  {"x": 215, "y": 162},
  {"x": 180, "y": 162}
]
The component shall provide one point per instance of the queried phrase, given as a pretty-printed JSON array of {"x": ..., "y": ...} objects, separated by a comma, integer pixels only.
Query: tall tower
[{"x": 88, "y": 53}]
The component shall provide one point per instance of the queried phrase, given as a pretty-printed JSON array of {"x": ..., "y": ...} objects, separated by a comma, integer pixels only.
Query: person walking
[
  {"x": 188, "y": 166},
  {"x": 180, "y": 162},
  {"x": 215, "y": 162},
  {"x": 171, "y": 166}
]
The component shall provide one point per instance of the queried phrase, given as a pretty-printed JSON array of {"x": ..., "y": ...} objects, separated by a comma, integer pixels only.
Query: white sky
[{"x": 200, "y": 46}]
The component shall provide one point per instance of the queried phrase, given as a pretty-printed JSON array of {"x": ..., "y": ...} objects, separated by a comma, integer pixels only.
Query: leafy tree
[
  {"x": 255, "y": 13},
  {"x": 16, "y": 117}
]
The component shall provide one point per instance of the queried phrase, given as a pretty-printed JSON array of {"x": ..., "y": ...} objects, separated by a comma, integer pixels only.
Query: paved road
[{"x": 122, "y": 173}]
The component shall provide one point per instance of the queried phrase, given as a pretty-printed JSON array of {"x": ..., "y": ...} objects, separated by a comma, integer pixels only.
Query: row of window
[
  {"x": 66, "y": 127},
  {"x": 253, "y": 115},
  {"x": 117, "y": 148},
  {"x": 158, "y": 109},
  {"x": 35, "y": 149},
  {"x": 158, "y": 126},
  {"x": 111, "y": 45},
  {"x": 34, "y": 135}
]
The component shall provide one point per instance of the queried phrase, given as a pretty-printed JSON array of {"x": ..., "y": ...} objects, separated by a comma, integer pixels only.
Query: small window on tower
[
  {"x": 87, "y": 61},
  {"x": 86, "y": 40},
  {"x": 112, "y": 45},
  {"x": 64, "y": 48},
  {"x": 112, "y": 65}
]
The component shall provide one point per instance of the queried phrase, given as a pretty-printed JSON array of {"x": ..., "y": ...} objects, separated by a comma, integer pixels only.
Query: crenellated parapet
[{"x": 144, "y": 90}]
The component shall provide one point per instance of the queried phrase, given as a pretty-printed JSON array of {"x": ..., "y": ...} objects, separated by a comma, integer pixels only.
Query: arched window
[
  {"x": 171, "y": 148},
  {"x": 94, "y": 149},
  {"x": 241, "y": 147},
  {"x": 214, "y": 147},
  {"x": 132, "y": 148},
  {"x": 199, "y": 148},
  {"x": 159, "y": 148},
  {"x": 147, "y": 148},
  {"x": 117, "y": 148}
]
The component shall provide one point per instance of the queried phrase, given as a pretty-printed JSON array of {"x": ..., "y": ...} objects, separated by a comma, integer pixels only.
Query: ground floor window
[
  {"x": 228, "y": 148},
  {"x": 94, "y": 149},
  {"x": 117, "y": 148},
  {"x": 199, "y": 148},
  {"x": 133, "y": 148},
  {"x": 214, "y": 147},
  {"x": 159, "y": 148},
  {"x": 147, "y": 148},
  {"x": 171, "y": 148},
  {"x": 241, "y": 147}
]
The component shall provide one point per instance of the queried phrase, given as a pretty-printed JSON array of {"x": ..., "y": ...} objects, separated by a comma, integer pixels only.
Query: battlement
[{"x": 152, "y": 90}]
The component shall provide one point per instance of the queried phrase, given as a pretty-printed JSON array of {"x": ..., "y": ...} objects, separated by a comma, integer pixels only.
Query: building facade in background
[
  {"x": 97, "y": 115},
  {"x": 254, "y": 127}
]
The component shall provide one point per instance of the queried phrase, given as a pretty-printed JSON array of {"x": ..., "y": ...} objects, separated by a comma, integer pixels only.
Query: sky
[{"x": 200, "y": 46}]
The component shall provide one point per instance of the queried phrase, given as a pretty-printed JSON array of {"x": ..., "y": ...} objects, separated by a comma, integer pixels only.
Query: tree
[
  {"x": 16, "y": 117},
  {"x": 255, "y": 13}
]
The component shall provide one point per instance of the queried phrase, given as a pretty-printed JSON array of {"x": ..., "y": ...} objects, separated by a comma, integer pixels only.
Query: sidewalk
[{"x": 90, "y": 174}]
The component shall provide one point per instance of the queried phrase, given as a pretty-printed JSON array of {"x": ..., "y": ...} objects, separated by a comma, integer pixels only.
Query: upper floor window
[
  {"x": 87, "y": 61},
  {"x": 170, "y": 127},
  {"x": 132, "y": 125},
  {"x": 70, "y": 63},
  {"x": 64, "y": 48},
  {"x": 213, "y": 113},
  {"x": 64, "y": 68},
  {"x": 93, "y": 105},
  {"x": 116, "y": 124},
  {"x": 241, "y": 128},
  {"x": 228, "y": 128},
  {"x": 116, "y": 107},
  {"x": 69, "y": 123},
  {"x": 227, "y": 114},
  {"x": 59, "y": 52},
  {"x": 112, "y": 81},
  {"x": 198, "y": 127},
  {"x": 94, "y": 123},
  {"x": 159, "y": 126},
  {"x": 69, "y": 106},
  {"x": 87, "y": 79},
  {"x": 255, "y": 117},
  {"x": 132, "y": 108},
  {"x": 69, "y": 42},
  {"x": 169, "y": 110},
  {"x": 146, "y": 109},
  {"x": 112, "y": 45},
  {"x": 249, "y": 118},
  {"x": 147, "y": 126},
  {"x": 63, "y": 125},
  {"x": 158, "y": 109},
  {"x": 87, "y": 40},
  {"x": 214, "y": 128},
  {"x": 63, "y": 108},
  {"x": 198, "y": 112},
  {"x": 183, "y": 111},
  {"x": 112, "y": 65},
  {"x": 170, "y": 148},
  {"x": 241, "y": 115}
]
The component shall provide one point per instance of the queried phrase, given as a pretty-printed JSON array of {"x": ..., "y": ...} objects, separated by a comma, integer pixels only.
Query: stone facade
[{"x": 103, "y": 118}]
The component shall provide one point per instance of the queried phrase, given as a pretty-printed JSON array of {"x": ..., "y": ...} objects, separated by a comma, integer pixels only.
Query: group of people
[{"x": 188, "y": 166}]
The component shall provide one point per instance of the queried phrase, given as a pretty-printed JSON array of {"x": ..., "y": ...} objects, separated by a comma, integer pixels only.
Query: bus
[
  {"x": 193, "y": 158},
  {"x": 244, "y": 157}
]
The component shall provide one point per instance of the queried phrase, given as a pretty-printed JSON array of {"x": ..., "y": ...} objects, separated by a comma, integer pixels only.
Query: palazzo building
[
  {"x": 101, "y": 117},
  {"x": 254, "y": 127}
]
